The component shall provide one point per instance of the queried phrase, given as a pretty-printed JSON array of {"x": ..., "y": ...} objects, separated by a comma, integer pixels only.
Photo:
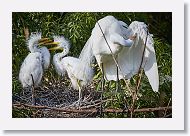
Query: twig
[
  {"x": 142, "y": 59},
  {"x": 118, "y": 67},
  {"x": 90, "y": 106},
  {"x": 168, "y": 115},
  {"x": 134, "y": 96},
  {"x": 96, "y": 103},
  {"x": 167, "y": 108},
  {"x": 92, "y": 110},
  {"x": 114, "y": 58},
  {"x": 26, "y": 33},
  {"x": 33, "y": 91},
  {"x": 139, "y": 79},
  {"x": 144, "y": 49}
]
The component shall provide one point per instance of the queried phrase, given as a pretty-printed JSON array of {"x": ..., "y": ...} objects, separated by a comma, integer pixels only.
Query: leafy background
[{"x": 77, "y": 28}]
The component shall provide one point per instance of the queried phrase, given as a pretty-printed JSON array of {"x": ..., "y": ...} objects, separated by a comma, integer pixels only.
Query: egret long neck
[
  {"x": 65, "y": 51},
  {"x": 57, "y": 61},
  {"x": 33, "y": 47},
  {"x": 33, "y": 42}
]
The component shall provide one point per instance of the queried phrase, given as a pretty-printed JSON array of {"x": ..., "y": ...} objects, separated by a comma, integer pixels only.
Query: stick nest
[{"x": 57, "y": 95}]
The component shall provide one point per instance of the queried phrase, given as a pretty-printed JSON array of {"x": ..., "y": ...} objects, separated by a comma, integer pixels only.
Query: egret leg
[
  {"x": 80, "y": 96},
  {"x": 80, "y": 92},
  {"x": 118, "y": 86},
  {"x": 118, "y": 89},
  {"x": 125, "y": 104},
  {"x": 102, "y": 87},
  {"x": 78, "y": 102},
  {"x": 33, "y": 92}
]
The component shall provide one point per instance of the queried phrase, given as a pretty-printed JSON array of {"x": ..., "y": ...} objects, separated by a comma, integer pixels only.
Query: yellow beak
[
  {"x": 47, "y": 41},
  {"x": 43, "y": 39},
  {"x": 56, "y": 48}
]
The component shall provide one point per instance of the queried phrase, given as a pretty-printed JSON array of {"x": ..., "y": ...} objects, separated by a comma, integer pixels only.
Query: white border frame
[{"x": 174, "y": 123}]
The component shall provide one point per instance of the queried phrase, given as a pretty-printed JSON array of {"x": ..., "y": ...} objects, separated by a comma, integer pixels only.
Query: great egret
[
  {"x": 31, "y": 70},
  {"x": 111, "y": 37},
  {"x": 71, "y": 66}
]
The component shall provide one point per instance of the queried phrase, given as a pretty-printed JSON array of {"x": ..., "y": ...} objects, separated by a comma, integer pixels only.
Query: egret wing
[
  {"x": 130, "y": 58},
  {"x": 45, "y": 57},
  {"x": 31, "y": 65}
]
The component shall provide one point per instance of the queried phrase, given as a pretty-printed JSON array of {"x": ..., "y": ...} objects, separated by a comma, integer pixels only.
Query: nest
[{"x": 57, "y": 100}]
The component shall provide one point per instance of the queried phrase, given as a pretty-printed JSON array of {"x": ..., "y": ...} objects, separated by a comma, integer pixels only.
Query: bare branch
[
  {"x": 92, "y": 110},
  {"x": 134, "y": 96},
  {"x": 167, "y": 108},
  {"x": 114, "y": 58}
]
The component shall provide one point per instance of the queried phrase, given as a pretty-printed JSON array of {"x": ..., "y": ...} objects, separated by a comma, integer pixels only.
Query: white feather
[
  {"x": 45, "y": 57},
  {"x": 76, "y": 68},
  {"x": 31, "y": 65},
  {"x": 149, "y": 63},
  {"x": 127, "y": 53},
  {"x": 34, "y": 63}
]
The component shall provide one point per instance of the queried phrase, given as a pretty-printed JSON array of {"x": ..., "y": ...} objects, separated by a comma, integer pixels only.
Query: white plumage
[
  {"x": 34, "y": 63},
  {"x": 71, "y": 65},
  {"x": 128, "y": 53},
  {"x": 30, "y": 67},
  {"x": 134, "y": 54}
]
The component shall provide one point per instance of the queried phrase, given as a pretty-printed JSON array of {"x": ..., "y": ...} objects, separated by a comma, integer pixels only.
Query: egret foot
[
  {"x": 76, "y": 104},
  {"x": 79, "y": 103}
]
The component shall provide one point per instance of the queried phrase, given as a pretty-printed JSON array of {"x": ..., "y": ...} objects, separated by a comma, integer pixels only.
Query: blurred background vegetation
[{"x": 77, "y": 28}]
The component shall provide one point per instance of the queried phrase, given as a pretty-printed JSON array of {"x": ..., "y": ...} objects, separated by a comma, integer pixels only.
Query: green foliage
[{"x": 77, "y": 28}]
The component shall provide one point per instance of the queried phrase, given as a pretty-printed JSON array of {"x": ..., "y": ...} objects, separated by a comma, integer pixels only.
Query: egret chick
[
  {"x": 37, "y": 60},
  {"x": 71, "y": 66}
]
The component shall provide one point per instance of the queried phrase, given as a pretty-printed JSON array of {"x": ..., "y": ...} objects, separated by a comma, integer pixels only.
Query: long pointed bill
[
  {"x": 47, "y": 41},
  {"x": 56, "y": 48},
  {"x": 52, "y": 43},
  {"x": 43, "y": 41}
]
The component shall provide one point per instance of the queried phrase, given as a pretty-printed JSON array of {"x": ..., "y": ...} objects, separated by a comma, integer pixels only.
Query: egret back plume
[
  {"x": 149, "y": 61},
  {"x": 130, "y": 58},
  {"x": 86, "y": 59}
]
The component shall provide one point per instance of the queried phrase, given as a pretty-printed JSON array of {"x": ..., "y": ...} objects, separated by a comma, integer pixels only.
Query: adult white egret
[
  {"x": 121, "y": 51},
  {"x": 31, "y": 70},
  {"x": 71, "y": 66},
  {"x": 112, "y": 37}
]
